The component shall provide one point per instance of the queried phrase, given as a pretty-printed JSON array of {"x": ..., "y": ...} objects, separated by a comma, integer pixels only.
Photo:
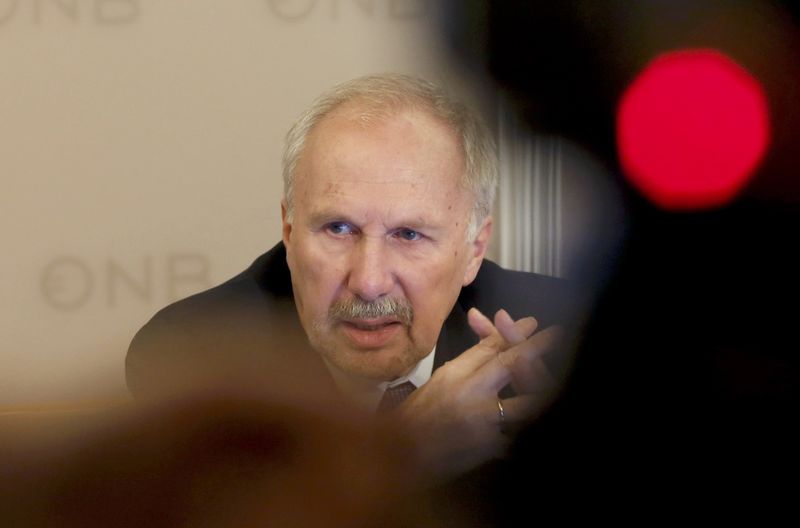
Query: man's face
[{"x": 379, "y": 214}]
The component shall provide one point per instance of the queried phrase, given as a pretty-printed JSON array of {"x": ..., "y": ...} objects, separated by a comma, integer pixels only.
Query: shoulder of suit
[
  {"x": 264, "y": 285},
  {"x": 498, "y": 280},
  {"x": 520, "y": 293}
]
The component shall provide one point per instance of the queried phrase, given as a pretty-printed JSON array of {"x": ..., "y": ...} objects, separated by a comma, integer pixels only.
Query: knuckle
[
  {"x": 492, "y": 342},
  {"x": 445, "y": 372},
  {"x": 505, "y": 359}
]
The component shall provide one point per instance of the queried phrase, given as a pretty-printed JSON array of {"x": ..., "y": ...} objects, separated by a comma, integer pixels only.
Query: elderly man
[{"x": 388, "y": 188}]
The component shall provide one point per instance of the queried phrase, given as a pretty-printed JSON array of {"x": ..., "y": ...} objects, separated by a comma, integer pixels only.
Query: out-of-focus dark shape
[
  {"x": 205, "y": 461},
  {"x": 687, "y": 378},
  {"x": 691, "y": 129}
]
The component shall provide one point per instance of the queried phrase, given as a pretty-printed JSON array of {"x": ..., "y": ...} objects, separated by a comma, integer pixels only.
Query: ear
[
  {"x": 286, "y": 227},
  {"x": 478, "y": 248}
]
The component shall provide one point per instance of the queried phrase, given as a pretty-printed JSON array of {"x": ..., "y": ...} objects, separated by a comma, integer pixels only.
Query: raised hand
[{"x": 457, "y": 417}]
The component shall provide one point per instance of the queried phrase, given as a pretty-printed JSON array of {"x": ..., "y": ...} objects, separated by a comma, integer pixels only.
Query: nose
[{"x": 371, "y": 274}]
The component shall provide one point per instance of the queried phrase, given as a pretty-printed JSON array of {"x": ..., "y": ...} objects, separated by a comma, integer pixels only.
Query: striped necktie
[{"x": 394, "y": 396}]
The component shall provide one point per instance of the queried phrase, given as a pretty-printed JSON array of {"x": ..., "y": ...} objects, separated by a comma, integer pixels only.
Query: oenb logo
[
  {"x": 85, "y": 12},
  {"x": 300, "y": 10}
]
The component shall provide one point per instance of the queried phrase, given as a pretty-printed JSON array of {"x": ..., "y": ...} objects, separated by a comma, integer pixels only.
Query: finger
[
  {"x": 480, "y": 324},
  {"x": 514, "y": 331},
  {"x": 529, "y": 373},
  {"x": 520, "y": 409},
  {"x": 485, "y": 355},
  {"x": 532, "y": 377},
  {"x": 491, "y": 343},
  {"x": 480, "y": 367},
  {"x": 475, "y": 358},
  {"x": 532, "y": 348},
  {"x": 492, "y": 375},
  {"x": 495, "y": 371}
]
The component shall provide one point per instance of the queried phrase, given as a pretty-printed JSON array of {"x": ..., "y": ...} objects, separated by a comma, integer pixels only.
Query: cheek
[
  {"x": 432, "y": 289},
  {"x": 316, "y": 280},
  {"x": 448, "y": 270}
]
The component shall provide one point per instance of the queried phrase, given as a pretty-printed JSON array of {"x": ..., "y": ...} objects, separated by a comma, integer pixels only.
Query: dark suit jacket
[{"x": 249, "y": 325}]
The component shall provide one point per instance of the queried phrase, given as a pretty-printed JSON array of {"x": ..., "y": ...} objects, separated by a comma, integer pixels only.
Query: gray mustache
[{"x": 356, "y": 308}]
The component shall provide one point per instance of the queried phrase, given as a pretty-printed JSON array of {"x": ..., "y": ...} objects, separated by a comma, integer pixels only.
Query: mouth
[
  {"x": 371, "y": 324},
  {"x": 371, "y": 333}
]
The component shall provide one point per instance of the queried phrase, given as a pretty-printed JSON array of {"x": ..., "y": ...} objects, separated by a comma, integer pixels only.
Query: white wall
[{"x": 140, "y": 157}]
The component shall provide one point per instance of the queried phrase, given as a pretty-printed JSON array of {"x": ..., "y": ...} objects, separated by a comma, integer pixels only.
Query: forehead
[{"x": 400, "y": 155}]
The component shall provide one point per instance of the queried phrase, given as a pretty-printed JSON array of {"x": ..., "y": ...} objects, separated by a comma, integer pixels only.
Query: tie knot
[{"x": 394, "y": 396}]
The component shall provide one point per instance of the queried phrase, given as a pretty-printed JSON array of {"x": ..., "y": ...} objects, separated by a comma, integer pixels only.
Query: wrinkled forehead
[{"x": 403, "y": 160}]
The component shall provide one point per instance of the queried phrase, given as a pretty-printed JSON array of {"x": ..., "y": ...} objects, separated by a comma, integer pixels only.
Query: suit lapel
[{"x": 455, "y": 337}]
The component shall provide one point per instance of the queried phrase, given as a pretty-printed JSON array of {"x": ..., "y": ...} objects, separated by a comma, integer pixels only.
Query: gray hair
[{"x": 386, "y": 93}]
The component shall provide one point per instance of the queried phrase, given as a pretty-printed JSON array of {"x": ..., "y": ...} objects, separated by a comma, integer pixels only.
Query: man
[{"x": 388, "y": 187}]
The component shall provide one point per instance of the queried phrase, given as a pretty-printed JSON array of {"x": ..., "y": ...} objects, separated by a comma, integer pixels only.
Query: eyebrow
[{"x": 325, "y": 216}]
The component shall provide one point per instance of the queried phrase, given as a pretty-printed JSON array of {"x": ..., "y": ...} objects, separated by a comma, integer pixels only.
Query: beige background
[{"x": 140, "y": 145}]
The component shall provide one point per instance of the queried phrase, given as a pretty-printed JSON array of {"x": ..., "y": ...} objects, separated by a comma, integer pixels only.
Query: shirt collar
[
  {"x": 368, "y": 396},
  {"x": 419, "y": 375}
]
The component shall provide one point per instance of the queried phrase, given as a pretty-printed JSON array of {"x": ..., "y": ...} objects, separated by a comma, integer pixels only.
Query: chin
[{"x": 377, "y": 365}]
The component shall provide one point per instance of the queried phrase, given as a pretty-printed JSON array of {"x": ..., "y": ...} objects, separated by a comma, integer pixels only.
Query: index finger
[
  {"x": 533, "y": 347},
  {"x": 490, "y": 344},
  {"x": 514, "y": 331},
  {"x": 492, "y": 339},
  {"x": 525, "y": 360}
]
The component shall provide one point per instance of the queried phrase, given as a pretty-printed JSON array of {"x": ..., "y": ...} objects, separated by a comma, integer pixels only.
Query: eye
[
  {"x": 408, "y": 234},
  {"x": 339, "y": 228}
]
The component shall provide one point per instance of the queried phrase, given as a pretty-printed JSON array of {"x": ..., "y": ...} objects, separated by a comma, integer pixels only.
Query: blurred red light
[{"x": 691, "y": 129}]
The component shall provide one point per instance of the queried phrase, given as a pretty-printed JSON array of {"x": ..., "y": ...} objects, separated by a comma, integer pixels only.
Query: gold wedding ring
[{"x": 502, "y": 412}]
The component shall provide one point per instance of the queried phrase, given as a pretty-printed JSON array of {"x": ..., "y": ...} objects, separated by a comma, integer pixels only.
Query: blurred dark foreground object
[
  {"x": 685, "y": 393},
  {"x": 204, "y": 462}
]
